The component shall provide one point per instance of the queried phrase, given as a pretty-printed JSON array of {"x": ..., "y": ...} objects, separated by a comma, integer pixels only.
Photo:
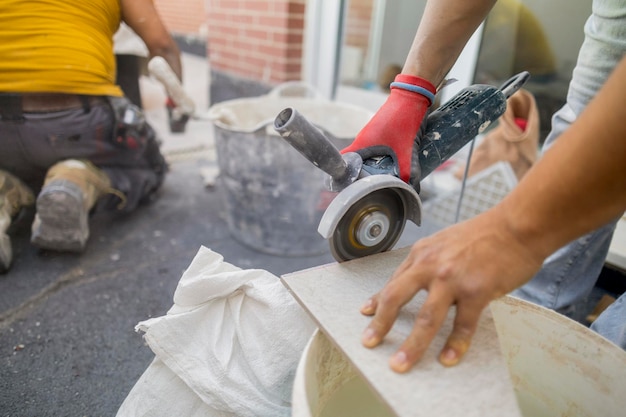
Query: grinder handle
[
  {"x": 514, "y": 83},
  {"x": 317, "y": 148}
]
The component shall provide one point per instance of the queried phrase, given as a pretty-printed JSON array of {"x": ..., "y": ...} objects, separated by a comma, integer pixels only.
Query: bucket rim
[{"x": 218, "y": 113}]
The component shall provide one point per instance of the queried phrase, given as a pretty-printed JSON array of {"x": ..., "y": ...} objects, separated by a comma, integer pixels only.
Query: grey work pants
[{"x": 30, "y": 146}]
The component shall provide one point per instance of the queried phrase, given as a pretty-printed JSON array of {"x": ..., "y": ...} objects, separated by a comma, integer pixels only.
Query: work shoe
[
  {"x": 14, "y": 195},
  {"x": 515, "y": 139},
  {"x": 70, "y": 190}
]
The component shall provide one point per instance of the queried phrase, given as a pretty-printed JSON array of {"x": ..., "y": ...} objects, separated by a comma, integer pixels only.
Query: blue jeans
[{"x": 569, "y": 275}]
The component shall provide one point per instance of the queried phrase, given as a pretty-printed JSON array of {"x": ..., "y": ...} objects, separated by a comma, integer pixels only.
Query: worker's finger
[
  {"x": 459, "y": 340},
  {"x": 396, "y": 293},
  {"x": 371, "y": 304},
  {"x": 427, "y": 323},
  {"x": 369, "y": 307}
]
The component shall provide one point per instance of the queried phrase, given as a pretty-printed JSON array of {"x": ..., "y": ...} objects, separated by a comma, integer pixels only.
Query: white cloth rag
[{"x": 229, "y": 346}]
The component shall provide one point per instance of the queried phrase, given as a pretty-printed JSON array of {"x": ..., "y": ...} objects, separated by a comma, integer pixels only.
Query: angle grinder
[{"x": 369, "y": 213}]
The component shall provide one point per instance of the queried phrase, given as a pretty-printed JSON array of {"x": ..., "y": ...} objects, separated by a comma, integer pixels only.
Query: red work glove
[{"x": 395, "y": 128}]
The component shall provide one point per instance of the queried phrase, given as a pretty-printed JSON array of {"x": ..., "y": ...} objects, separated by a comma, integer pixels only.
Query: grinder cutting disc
[{"x": 372, "y": 225}]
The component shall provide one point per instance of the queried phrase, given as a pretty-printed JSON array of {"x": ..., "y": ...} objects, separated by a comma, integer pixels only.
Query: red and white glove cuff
[{"x": 416, "y": 85}]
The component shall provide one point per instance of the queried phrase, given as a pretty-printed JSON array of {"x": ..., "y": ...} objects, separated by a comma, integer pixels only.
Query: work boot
[
  {"x": 515, "y": 139},
  {"x": 70, "y": 191},
  {"x": 14, "y": 195}
]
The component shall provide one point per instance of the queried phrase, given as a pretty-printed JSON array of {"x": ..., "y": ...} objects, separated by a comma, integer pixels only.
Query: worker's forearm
[
  {"x": 445, "y": 28},
  {"x": 144, "y": 19},
  {"x": 580, "y": 183},
  {"x": 171, "y": 54}
]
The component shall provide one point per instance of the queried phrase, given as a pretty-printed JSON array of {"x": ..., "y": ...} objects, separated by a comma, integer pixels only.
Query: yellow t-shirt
[{"x": 58, "y": 46}]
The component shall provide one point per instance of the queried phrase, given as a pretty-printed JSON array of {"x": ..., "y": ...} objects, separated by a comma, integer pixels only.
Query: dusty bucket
[
  {"x": 274, "y": 197},
  {"x": 558, "y": 368}
]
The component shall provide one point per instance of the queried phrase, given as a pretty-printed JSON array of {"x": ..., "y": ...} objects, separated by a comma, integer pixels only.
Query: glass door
[{"x": 353, "y": 48}]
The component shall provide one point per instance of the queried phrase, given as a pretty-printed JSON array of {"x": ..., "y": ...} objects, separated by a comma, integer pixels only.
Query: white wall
[{"x": 563, "y": 22}]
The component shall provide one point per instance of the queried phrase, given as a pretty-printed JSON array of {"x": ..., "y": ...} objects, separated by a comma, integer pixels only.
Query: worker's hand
[
  {"x": 177, "y": 121},
  {"x": 169, "y": 103},
  {"x": 395, "y": 128},
  {"x": 466, "y": 265}
]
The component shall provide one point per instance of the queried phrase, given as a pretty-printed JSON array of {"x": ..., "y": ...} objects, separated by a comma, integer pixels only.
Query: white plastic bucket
[
  {"x": 274, "y": 197},
  {"x": 558, "y": 368}
]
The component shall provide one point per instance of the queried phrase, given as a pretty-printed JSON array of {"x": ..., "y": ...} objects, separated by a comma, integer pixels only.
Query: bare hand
[{"x": 466, "y": 265}]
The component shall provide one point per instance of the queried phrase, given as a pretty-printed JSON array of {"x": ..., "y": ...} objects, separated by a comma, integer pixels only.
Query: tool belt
[{"x": 13, "y": 106}]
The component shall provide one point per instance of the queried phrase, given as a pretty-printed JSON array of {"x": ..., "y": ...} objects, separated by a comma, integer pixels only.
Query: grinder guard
[{"x": 375, "y": 208}]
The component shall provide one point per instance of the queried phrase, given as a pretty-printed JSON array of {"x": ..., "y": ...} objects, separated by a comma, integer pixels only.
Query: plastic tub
[{"x": 558, "y": 368}]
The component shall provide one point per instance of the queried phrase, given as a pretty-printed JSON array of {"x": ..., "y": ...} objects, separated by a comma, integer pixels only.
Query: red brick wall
[
  {"x": 358, "y": 20},
  {"x": 187, "y": 17},
  {"x": 257, "y": 39}
]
